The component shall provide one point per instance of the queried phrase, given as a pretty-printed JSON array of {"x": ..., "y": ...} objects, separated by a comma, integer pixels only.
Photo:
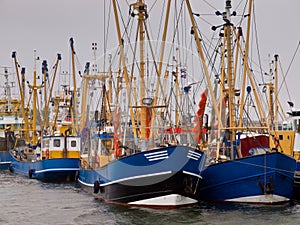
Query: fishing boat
[
  {"x": 53, "y": 152},
  {"x": 242, "y": 170},
  {"x": 284, "y": 134},
  {"x": 11, "y": 119},
  {"x": 133, "y": 152},
  {"x": 286, "y": 137}
]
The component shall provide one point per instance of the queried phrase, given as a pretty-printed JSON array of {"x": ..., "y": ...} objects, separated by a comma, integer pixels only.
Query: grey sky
[{"x": 47, "y": 26}]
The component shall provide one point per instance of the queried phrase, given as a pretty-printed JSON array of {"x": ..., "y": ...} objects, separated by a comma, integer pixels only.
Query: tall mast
[
  {"x": 201, "y": 54},
  {"x": 75, "y": 118},
  {"x": 250, "y": 75},
  {"x": 110, "y": 89},
  {"x": 34, "y": 88},
  {"x": 17, "y": 73},
  {"x": 21, "y": 84},
  {"x": 245, "y": 62},
  {"x": 230, "y": 77},
  {"x": 160, "y": 64},
  {"x": 47, "y": 101},
  {"x": 24, "y": 112},
  {"x": 276, "y": 105},
  {"x": 45, "y": 73},
  {"x": 84, "y": 86},
  {"x": 122, "y": 56},
  {"x": 141, "y": 8}
]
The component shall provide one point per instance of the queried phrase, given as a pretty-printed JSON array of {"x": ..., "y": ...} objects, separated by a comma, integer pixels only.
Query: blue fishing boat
[
  {"x": 53, "y": 152},
  {"x": 50, "y": 170},
  {"x": 134, "y": 152},
  {"x": 265, "y": 175},
  {"x": 11, "y": 120},
  {"x": 5, "y": 158},
  {"x": 165, "y": 176},
  {"x": 287, "y": 137},
  {"x": 161, "y": 177},
  {"x": 260, "y": 179}
]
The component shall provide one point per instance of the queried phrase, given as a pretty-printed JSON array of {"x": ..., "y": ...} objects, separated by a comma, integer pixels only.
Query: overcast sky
[{"x": 47, "y": 25}]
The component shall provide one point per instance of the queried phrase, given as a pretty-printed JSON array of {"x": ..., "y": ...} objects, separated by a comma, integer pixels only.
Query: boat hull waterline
[
  {"x": 162, "y": 178},
  {"x": 259, "y": 179},
  {"x": 5, "y": 160},
  {"x": 60, "y": 169}
]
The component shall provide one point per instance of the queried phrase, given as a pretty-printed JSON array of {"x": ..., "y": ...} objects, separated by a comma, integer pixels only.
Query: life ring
[
  {"x": 96, "y": 187},
  {"x": 47, "y": 153},
  {"x": 276, "y": 141}
]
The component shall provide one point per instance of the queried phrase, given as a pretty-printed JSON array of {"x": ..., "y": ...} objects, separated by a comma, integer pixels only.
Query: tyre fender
[{"x": 96, "y": 187}]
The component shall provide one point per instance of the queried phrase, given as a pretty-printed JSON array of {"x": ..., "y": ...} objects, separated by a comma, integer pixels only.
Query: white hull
[
  {"x": 260, "y": 199},
  {"x": 167, "y": 200}
]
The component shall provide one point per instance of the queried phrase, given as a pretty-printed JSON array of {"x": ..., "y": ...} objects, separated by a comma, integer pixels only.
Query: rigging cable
[
  {"x": 257, "y": 44},
  {"x": 284, "y": 77},
  {"x": 210, "y": 5},
  {"x": 153, "y": 6},
  {"x": 159, "y": 29}
]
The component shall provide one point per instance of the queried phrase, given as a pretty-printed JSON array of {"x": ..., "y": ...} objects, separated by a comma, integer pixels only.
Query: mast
[
  {"x": 45, "y": 72},
  {"x": 75, "y": 117},
  {"x": 201, "y": 54},
  {"x": 141, "y": 8},
  {"x": 110, "y": 88},
  {"x": 160, "y": 65},
  {"x": 177, "y": 97},
  {"x": 21, "y": 84},
  {"x": 24, "y": 112},
  {"x": 245, "y": 62},
  {"x": 230, "y": 78},
  {"x": 84, "y": 85},
  {"x": 47, "y": 102},
  {"x": 17, "y": 73},
  {"x": 276, "y": 93},
  {"x": 124, "y": 66},
  {"x": 34, "y": 88},
  {"x": 250, "y": 75}
]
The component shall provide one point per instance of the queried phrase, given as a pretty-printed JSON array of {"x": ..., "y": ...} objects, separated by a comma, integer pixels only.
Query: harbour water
[{"x": 27, "y": 201}]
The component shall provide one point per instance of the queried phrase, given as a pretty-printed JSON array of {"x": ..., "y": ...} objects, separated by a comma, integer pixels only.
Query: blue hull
[
  {"x": 56, "y": 170},
  {"x": 296, "y": 193},
  {"x": 5, "y": 160},
  {"x": 260, "y": 179},
  {"x": 168, "y": 171}
]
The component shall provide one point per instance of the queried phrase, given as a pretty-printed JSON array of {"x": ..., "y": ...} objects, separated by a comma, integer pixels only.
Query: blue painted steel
[
  {"x": 247, "y": 176},
  {"x": 157, "y": 161},
  {"x": 47, "y": 169},
  {"x": 5, "y": 160}
]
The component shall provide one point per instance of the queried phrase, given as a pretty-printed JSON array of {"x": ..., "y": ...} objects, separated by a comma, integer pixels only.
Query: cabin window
[
  {"x": 2, "y": 126},
  {"x": 73, "y": 143},
  {"x": 56, "y": 142},
  {"x": 280, "y": 137}
]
